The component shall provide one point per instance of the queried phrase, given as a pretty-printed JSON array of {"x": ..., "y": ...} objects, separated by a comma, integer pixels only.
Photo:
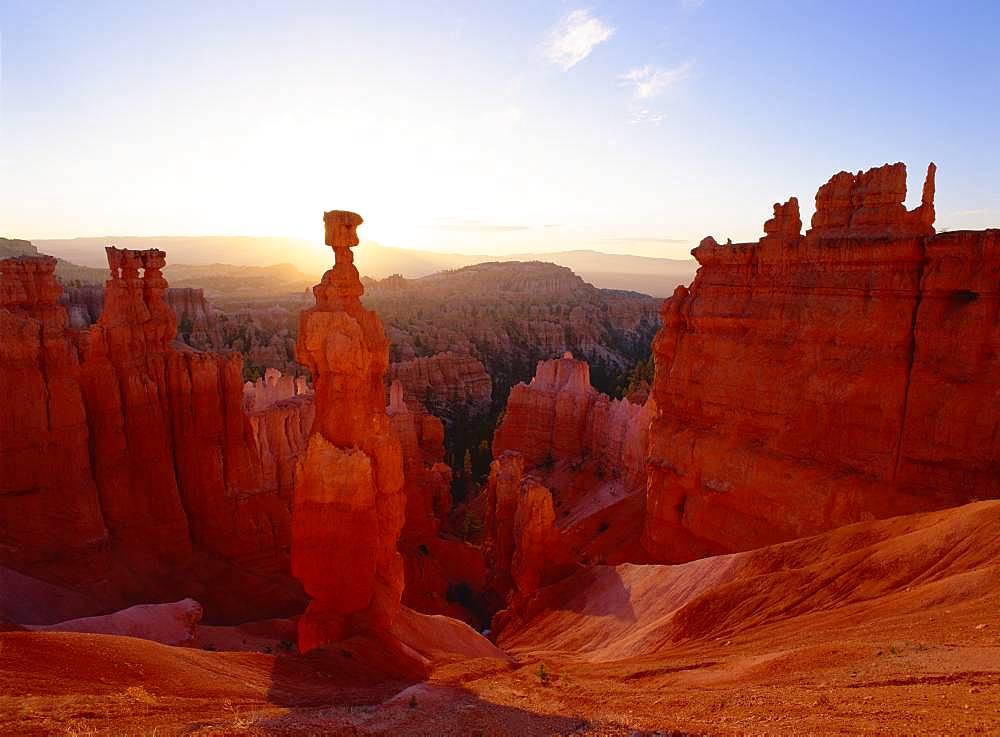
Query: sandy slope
[{"x": 889, "y": 627}]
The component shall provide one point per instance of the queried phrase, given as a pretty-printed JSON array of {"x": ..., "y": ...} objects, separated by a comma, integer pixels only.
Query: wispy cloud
[
  {"x": 574, "y": 37},
  {"x": 649, "y": 81},
  {"x": 646, "y": 117}
]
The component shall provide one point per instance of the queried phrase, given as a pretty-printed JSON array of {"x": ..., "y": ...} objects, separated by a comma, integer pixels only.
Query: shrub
[{"x": 543, "y": 675}]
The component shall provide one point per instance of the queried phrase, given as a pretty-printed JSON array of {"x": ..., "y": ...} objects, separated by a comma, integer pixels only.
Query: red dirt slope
[
  {"x": 886, "y": 627},
  {"x": 919, "y": 561}
]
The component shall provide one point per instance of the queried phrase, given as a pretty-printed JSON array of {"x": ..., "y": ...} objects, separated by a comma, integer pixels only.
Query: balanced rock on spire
[{"x": 349, "y": 505}]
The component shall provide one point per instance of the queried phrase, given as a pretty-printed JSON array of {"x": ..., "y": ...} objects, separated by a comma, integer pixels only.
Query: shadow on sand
[{"x": 362, "y": 687}]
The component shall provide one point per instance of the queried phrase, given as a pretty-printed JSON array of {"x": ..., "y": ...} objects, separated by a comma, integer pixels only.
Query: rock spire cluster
[{"x": 127, "y": 466}]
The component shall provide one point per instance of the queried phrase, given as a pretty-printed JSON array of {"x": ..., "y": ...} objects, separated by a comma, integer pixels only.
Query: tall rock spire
[{"x": 349, "y": 506}]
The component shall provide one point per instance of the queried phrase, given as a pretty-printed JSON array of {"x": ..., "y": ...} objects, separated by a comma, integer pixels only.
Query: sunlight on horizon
[{"x": 481, "y": 130}]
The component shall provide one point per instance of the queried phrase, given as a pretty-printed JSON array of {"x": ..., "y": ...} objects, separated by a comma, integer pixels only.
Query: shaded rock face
[
  {"x": 444, "y": 575},
  {"x": 281, "y": 413},
  {"x": 807, "y": 382},
  {"x": 198, "y": 323},
  {"x": 126, "y": 466},
  {"x": 49, "y": 504},
  {"x": 522, "y": 544},
  {"x": 349, "y": 505},
  {"x": 447, "y": 383},
  {"x": 84, "y": 304},
  {"x": 428, "y": 479},
  {"x": 567, "y": 486},
  {"x": 273, "y": 387}
]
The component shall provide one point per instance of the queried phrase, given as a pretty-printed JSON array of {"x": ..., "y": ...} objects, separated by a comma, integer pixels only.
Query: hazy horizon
[
  {"x": 627, "y": 128},
  {"x": 656, "y": 276}
]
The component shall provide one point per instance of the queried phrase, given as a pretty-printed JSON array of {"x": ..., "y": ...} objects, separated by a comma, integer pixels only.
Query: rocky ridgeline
[
  {"x": 804, "y": 382},
  {"x": 510, "y": 315}
]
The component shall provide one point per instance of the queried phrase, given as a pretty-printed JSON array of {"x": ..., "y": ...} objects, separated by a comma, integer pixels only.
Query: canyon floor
[{"x": 888, "y": 627}]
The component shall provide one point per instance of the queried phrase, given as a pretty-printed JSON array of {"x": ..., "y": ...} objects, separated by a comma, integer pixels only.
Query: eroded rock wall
[
  {"x": 559, "y": 416},
  {"x": 49, "y": 505},
  {"x": 567, "y": 484},
  {"x": 129, "y": 466},
  {"x": 449, "y": 383},
  {"x": 807, "y": 382}
]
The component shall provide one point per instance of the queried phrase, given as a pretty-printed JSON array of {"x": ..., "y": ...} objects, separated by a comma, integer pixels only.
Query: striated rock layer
[
  {"x": 349, "y": 505},
  {"x": 447, "y": 382},
  {"x": 127, "y": 466},
  {"x": 807, "y": 382},
  {"x": 559, "y": 416}
]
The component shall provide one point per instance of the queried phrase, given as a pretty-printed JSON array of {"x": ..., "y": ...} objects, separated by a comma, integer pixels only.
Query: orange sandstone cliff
[
  {"x": 349, "y": 505},
  {"x": 805, "y": 382},
  {"x": 127, "y": 465}
]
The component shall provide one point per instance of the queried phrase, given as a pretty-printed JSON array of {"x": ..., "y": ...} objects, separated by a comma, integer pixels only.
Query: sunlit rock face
[
  {"x": 559, "y": 416},
  {"x": 349, "y": 505},
  {"x": 808, "y": 381},
  {"x": 127, "y": 466},
  {"x": 567, "y": 484}
]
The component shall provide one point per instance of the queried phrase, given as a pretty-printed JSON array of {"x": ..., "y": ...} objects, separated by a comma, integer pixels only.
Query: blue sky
[{"x": 633, "y": 127}]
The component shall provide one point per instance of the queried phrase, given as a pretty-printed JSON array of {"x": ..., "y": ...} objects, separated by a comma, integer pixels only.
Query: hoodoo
[{"x": 349, "y": 505}]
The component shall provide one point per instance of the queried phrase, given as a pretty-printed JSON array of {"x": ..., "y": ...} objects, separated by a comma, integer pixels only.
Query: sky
[{"x": 485, "y": 127}]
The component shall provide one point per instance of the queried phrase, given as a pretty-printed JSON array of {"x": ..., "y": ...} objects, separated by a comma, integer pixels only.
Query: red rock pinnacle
[{"x": 349, "y": 506}]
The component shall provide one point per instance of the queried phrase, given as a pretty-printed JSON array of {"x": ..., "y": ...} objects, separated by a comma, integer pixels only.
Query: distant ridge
[
  {"x": 66, "y": 272},
  {"x": 654, "y": 276}
]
